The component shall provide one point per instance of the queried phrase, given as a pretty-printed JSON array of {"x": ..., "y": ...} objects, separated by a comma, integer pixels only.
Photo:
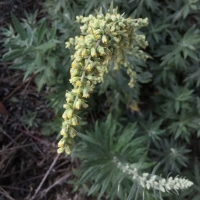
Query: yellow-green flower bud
[
  {"x": 117, "y": 28},
  {"x": 74, "y": 64},
  {"x": 69, "y": 96},
  {"x": 83, "y": 28},
  {"x": 67, "y": 150},
  {"x": 68, "y": 113},
  {"x": 72, "y": 133},
  {"x": 119, "y": 17},
  {"x": 96, "y": 24},
  {"x": 66, "y": 106},
  {"x": 97, "y": 37},
  {"x": 100, "y": 16},
  {"x": 101, "y": 50},
  {"x": 61, "y": 143},
  {"x": 77, "y": 91},
  {"x": 117, "y": 40},
  {"x": 89, "y": 41},
  {"x": 97, "y": 32},
  {"x": 63, "y": 132},
  {"x": 99, "y": 68},
  {"x": 104, "y": 39},
  {"x": 67, "y": 44},
  {"x": 74, "y": 79},
  {"x": 121, "y": 24},
  {"x": 114, "y": 18},
  {"x": 78, "y": 83},
  {"x": 102, "y": 24},
  {"x": 79, "y": 58},
  {"x": 78, "y": 104},
  {"x": 77, "y": 47},
  {"x": 65, "y": 124},
  {"x": 90, "y": 77},
  {"x": 60, "y": 150},
  {"x": 71, "y": 40},
  {"x": 89, "y": 68},
  {"x": 64, "y": 116},
  {"x": 74, "y": 121},
  {"x": 86, "y": 92},
  {"x": 93, "y": 52},
  {"x": 90, "y": 16},
  {"x": 112, "y": 28},
  {"x": 84, "y": 53}
]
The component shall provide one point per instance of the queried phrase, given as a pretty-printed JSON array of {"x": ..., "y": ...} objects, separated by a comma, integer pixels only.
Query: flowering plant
[{"x": 105, "y": 39}]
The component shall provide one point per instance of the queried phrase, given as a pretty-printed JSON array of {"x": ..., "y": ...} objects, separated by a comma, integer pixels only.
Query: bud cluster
[
  {"x": 149, "y": 181},
  {"x": 104, "y": 38}
]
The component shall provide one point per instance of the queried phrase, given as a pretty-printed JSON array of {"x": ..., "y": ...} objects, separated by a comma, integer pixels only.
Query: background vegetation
[{"x": 157, "y": 121}]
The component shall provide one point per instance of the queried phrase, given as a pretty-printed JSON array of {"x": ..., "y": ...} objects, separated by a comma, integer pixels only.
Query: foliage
[
  {"x": 162, "y": 108},
  {"x": 116, "y": 154},
  {"x": 102, "y": 149}
]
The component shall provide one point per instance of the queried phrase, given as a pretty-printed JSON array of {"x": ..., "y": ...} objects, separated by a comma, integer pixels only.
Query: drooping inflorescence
[{"x": 104, "y": 39}]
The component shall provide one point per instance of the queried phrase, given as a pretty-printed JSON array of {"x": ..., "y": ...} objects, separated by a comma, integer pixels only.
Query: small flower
[
  {"x": 61, "y": 143},
  {"x": 69, "y": 97},
  {"x": 114, "y": 18},
  {"x": 72, "y": 133},
  {"x": 96, "y": 24},
  {"x": 104, "y": 39},
  {"x": 63, "y": 132},
  {"x": 89, "y": 68},
  {"x": 60, "y": 150},
  {"x": 93, "y": 52},
  {"x": 78, "y": 104},
  {"x": 116, "y": 39},
  {"x": 78, "y": 83},
  {"x": 97, "y": 32},
  {"x": 74, "y": 121},
  {"x": 101, "y": 50},
  {"x": 67, "y": 150}
]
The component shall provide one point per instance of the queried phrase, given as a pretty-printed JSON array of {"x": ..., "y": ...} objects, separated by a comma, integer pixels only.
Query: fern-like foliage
[{"x": 113, "y": 160}]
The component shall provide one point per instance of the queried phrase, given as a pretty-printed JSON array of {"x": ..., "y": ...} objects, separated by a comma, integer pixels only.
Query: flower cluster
[
  {"x": 104, "y": 39},
  {"x": 155, "y": 182},
  {"x": 164, "y": 185}
]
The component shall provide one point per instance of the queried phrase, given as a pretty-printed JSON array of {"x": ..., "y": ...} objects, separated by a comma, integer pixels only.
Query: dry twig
[
  {"x": 3, "y": 192},
  {"x": 47, "y": 173},
  {"x": 58, "y": 182}
]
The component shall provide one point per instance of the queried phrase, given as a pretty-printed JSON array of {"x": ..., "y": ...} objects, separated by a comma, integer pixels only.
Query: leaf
[
  {"x": 41, "y": 32},
  {"x": 133, "y": 191},
  {"x": 105, "y": 185},
  {"x": 177, "y": 106},
  {"x": 155, "y": 169},
  {"x": 87, "y": 138},
  {"x": 186, "y": 12},
  {"x": 13, "y": 54},
  {"x": 19, "y": 28},
  {"x": 87, "y": 175},
  {"x": 48, "y": 45},
  {"x": 94, "y": 189},
  {"x": 53, "y": 31}
]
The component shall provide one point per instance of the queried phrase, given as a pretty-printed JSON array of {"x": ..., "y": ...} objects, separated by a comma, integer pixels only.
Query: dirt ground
[{"x": 29, "y": 165}]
